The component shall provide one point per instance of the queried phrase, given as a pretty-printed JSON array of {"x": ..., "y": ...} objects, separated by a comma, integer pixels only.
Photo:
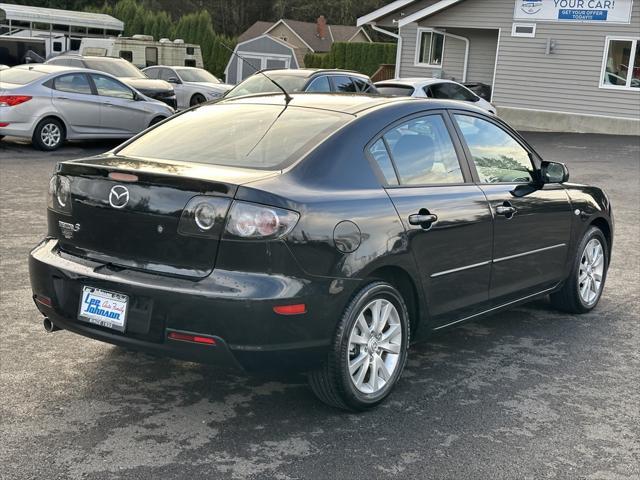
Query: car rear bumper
[{"x": 233, "y": 308}]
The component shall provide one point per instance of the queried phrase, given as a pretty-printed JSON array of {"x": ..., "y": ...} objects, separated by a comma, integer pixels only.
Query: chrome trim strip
[
  {"x": 496, "y": 308},
  {"x": 459, "y": 269},
  {"x": 510, "y": 257}
]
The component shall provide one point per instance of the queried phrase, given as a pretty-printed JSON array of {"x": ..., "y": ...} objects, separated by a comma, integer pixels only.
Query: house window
[
  {"x": 621, "y": 64},
  {"x": 430, "y": 48},
  {"x": 523, "y": 30}
]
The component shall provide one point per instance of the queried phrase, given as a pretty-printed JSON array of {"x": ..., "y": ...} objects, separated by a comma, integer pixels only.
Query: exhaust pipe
[{"x": 49, "y": 326}]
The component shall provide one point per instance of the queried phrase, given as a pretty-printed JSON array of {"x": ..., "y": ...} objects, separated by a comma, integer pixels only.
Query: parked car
[
  {"x": 432, "y": 88},
  {"x": 50, "y": 104},
  {"x": 321, "y": 233},
  {"x": 304, "y": 80},
  {"x": 123, "y": 70},
  {"x": 192, "y": 85}
]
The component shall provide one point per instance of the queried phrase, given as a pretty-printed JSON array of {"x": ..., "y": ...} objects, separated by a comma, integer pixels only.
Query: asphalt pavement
[{"x": 530, "y": 393}]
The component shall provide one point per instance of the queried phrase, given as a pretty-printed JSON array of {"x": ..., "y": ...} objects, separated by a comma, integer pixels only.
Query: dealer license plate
[{"x": 100, "y": 307}]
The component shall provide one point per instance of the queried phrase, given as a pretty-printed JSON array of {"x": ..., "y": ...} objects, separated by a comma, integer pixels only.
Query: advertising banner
[{"x": 597, "y": 11}]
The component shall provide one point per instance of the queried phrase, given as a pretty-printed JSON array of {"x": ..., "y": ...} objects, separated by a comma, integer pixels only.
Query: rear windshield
[
  {"x": 266, "y": 137},
  {"x": 20, "y": 76},
  {"x": 260, "y": 84},
  {"x": 395, "y": 90},
  {"x": 117, "y": 68}
]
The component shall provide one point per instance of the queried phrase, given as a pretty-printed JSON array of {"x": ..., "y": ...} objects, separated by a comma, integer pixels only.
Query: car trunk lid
[{"x": 127, "y": 212}]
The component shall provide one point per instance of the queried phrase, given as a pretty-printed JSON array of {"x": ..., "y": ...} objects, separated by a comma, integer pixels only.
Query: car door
[
  {"x": 120, "y": 112},
  {"x": 183, "y": 92},
  {"x": 446, "y": 216},
  {"x": 79, "y": 107},
  {"x": 532, "y": 222}
]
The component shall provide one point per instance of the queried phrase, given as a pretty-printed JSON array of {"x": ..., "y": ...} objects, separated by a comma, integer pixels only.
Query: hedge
[{"x": 362, "y": 57}]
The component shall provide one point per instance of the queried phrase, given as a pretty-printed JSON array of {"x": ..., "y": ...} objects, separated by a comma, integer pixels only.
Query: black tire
[
  {"x": 156, "y": 120},
  {"x": 332, "y": 382},
  {"x": 568, "y": 298},
  {"x": 197, "y": 99},
  {"x": 48, "y": 141}
]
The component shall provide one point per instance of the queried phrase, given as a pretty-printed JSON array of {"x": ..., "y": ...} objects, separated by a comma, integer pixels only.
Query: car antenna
[{"x": 287, "y": 96}]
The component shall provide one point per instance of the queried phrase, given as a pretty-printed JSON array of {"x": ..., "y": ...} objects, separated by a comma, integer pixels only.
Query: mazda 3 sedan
[{"x": 321, "y": 233}]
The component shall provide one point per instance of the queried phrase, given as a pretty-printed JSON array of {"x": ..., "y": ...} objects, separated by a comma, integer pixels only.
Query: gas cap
[{"x": 347, "y": 236}]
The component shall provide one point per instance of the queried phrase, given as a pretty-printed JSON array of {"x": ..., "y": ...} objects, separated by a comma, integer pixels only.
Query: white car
[
  {"x": 432, "y": 88},
  {"x": 192, "y": 85}
]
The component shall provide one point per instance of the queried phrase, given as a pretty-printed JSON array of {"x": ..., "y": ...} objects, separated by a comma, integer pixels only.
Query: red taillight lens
[
  {"x": 296, "y": 309},
  {"x": 41, "y": 299},
  {"x": 4, "y": 124},
  {"x": 13, "y": 100},
  {"x": 188, "y": 337}
]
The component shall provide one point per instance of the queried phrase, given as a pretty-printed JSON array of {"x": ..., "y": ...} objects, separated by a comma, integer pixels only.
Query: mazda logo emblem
[{"x": 119, "y": 196}]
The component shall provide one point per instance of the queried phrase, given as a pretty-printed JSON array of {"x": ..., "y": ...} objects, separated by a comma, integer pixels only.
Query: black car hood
[{"x": 147, "y": 84}]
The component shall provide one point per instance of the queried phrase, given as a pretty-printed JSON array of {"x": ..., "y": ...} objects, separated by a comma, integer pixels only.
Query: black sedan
[{"x": 322, "y": 233}]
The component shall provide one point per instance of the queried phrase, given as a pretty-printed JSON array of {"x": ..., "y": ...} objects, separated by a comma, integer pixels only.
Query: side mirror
[
  {"x": 175, "y": 80},
  {"x": 554, "y": 172}
]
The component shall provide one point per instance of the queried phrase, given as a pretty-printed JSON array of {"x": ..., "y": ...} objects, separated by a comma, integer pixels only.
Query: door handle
[
  {"x": 506, "y": 209},
  {"x": 425, "y": 220},
  {"x": 62, "y": 98}
]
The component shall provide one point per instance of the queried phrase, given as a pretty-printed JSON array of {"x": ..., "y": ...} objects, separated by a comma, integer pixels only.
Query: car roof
[
  {"x": 82, "y": 57},
  {"x": 346, "y": 103},
  {"x": 413, "y": 82},
  {"x": 308, "y": 72},
  {"x": 46, "y": 68}
]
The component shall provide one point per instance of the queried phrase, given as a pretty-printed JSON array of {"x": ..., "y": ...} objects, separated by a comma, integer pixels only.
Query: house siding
[{"x": 526, "y": 77}]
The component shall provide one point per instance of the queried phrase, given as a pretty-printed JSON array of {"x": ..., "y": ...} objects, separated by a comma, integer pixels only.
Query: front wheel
[
  {"x": 369, "y": 350},
  {"x": 197, "y": 99},
  {"x": 583, "y": 289}
]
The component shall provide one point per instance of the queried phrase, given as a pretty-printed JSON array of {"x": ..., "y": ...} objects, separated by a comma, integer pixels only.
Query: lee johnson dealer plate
[{"x": 100, "y": 307}]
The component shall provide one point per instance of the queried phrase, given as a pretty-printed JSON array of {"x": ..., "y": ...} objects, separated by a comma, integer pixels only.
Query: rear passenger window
[
  {"x": 72, "y": 83},
  {"x": 380, "y": 154},
  {"x": 343, "y": 84},
  {"x": 423, "y": 152},
  {"x": 498, "y": 156},
  {"x": 320, "y": 84}
]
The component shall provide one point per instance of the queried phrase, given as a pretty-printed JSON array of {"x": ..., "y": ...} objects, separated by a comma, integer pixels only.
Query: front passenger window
[{"x": 498, "y": 156}]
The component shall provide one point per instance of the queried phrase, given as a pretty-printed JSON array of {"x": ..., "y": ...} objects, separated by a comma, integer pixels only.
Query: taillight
[
  {"x": 204, "y": 216},
  {"x": 59, "y": 198},
  {"x": 259, "y": 222},
  {"x": 13, "y": 100}
]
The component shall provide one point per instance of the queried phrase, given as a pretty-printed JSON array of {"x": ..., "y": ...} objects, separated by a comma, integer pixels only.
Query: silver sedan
[
  {"x": 50, "y": 104},
  {"x": 192, "y": 85}
]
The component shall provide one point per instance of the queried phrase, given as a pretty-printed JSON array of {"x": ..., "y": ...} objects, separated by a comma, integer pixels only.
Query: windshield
[
  {"x": 395, "y": 90},
  {"x": 193, "y": 75},
  {"x": 265, "y": 137},
  {"x": 260, "y": 84},
  {"x": 117, "y": 68},
  {"x": 20, "y": 76}
]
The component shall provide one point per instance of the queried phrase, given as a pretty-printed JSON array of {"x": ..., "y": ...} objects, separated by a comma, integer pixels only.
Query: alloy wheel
[
  {"x": 50, "y": 134},
  {"x": 375, "y": 343},
  {"x": 591, "y": 271}
]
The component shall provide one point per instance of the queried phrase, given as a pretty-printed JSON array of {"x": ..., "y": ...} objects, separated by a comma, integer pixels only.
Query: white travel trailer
[
  {"x": 143, "y": 51},
  {"x": 48, "y": 32}
]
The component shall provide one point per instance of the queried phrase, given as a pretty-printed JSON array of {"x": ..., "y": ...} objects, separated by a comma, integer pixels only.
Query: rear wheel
[
  {"x": 197, "y": 99},
  {"x": 583, "y": 289},
  {"x": 49, "y": 134},
  {"x": 369, "y": 350}
]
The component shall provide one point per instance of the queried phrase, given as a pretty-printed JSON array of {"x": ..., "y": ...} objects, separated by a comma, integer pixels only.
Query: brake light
[
  {"x": 13, "y": 100},
  {"x": 4, "y": 124},
  {"x": 259, "y": 222},
  {"x": 59, "y": 198}
]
